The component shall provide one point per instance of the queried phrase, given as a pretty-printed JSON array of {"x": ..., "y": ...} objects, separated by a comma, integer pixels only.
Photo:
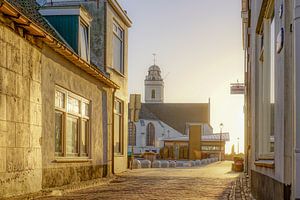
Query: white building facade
[{"x": 271, "y": 41}]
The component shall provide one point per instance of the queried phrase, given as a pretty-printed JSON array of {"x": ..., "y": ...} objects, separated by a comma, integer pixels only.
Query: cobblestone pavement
[
  {"x": 213, "y": 181},
  {"x": 240, "y": 189}
]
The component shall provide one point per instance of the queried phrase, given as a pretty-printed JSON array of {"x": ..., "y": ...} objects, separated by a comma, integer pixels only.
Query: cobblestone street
[{"x": 213, "y": 181}]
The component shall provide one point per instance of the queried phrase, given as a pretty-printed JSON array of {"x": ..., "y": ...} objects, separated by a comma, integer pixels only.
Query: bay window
[{"x": 72, "y": 132}]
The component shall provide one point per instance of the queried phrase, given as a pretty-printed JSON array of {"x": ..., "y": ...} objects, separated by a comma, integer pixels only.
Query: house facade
[
  {"x": 61, "y": 104},
  {"x": 271, "y": 46}
]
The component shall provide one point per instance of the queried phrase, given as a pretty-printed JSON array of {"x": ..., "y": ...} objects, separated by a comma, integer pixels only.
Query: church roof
[{"x": 177, "y": 115}]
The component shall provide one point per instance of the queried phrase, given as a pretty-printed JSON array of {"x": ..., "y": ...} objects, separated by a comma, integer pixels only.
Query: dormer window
[{"x": 73, "y": 25}]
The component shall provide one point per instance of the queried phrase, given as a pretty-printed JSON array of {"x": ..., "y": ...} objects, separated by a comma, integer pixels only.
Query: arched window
[
  {"x": 131, "y": 134},
  {"x": 150, "y": 136},
  {"x": 153, "y": 94}
]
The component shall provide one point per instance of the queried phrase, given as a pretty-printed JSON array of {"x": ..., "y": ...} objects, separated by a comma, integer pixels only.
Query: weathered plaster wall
[
  {"x": 58, "y": 71},
  {"x": 102, "y": 55},
  {"x": 120, "y": 161},
  {"x": 28, "y": 76},
  {"x": 20, "y": 115},
  {"x": 97, "y": 31}
]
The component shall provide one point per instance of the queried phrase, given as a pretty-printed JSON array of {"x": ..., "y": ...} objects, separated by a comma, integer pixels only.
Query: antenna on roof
[{"x": 154, "y": 57}]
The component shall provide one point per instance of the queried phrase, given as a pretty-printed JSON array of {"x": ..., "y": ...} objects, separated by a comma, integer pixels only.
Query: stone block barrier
[
  {"x": 179, "y": 164},
  {"x": 146, "y": 164},
  {"x": 172, "y": 164},
  {"x": 198, "y": 163},
  {"x": 136, "y": 164},
  {"x": 164, "y": 164},
  {"x": 193, "y": 163},
  {"x": 156, "y": 164}
]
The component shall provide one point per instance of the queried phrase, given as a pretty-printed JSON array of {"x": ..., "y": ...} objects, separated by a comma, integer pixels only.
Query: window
[
  {"x": 118, "y": 127},
  {"x": 118, "y": 48},
  {"x": 72, "y": 133},
  {"x": 132, "y": 134},
  {"x": 84, "y": 41},
  {"x": 150, "y": 136},
  {"x": 266, "y": 87},
  {"x": 142, "y": 122},
  {"x": 153, "y": 94}
]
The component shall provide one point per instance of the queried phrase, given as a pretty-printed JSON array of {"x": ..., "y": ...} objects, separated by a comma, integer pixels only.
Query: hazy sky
[{"x": 199, "y": 50}]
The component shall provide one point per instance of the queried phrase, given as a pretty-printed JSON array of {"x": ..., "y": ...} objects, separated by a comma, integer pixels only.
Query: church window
[
  {"x": 153, "y": 94},
  {"x": 150, "y": 136},
  {"x": 132, "y": 134}
]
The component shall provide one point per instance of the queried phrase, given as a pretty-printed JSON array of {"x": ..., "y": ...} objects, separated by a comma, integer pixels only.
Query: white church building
[{"x": 159, "y": 121}]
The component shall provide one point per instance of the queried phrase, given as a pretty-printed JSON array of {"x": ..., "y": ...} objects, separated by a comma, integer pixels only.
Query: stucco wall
[
  {"x": 57, "y": 71},
  {"x": 28, "y": 76},
  {"x": 120, "y": 161},
  {"x": 20, "y": 115}
]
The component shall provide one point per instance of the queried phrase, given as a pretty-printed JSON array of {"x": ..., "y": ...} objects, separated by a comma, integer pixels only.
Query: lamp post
[
  {"x": 221, "y": 127},
  {"x": 238, "y": 145}
]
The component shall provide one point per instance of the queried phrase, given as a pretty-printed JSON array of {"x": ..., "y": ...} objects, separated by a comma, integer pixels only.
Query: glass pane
[
  {"x": 84, "y": 46},
  {"x": 118, "y": 107},
  {"x": 117, "y": 130},
  {"x": 58, "y": 132},
  {"x": 118, "y": 54},
  {"x": 73, "y": 105},
  {"x": 59, "y": 99},
  {"x": 72, "y": 135},
  {"x": 84, "y": 137},
  {"x": 85, "y": 109}
]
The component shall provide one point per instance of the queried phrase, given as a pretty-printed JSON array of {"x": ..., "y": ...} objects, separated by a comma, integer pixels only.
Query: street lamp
[
  {"x": 238, "y": 148},
  {"x": 221, "y": 127}
]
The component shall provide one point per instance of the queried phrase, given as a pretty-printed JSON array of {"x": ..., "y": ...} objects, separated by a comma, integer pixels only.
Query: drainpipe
[
  {"x": 296, "y": 139},
  {"x": 113, "y": 133}
]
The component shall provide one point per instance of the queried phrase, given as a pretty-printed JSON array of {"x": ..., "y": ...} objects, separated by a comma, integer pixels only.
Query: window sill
[
  {"x": 119, "y": 155},
  {"x": 265, "y": 163},
  {"x": 71, "y": 160},
  {"x": 116, "y": 71}
]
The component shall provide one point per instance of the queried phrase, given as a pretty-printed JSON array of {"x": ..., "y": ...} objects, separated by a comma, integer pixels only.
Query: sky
[{"x": 199, "y": 50}]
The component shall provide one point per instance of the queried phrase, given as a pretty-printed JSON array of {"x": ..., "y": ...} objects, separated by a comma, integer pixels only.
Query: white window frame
[
  {"x": 81, "y": 117},
  {"x": 122, "y": 54},
  {"x": 121, "y": 126},
  {"x": 87, "y": 26}
]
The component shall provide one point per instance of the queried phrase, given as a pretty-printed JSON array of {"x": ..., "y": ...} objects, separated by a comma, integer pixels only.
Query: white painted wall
[{"x": 162, "y": 131}]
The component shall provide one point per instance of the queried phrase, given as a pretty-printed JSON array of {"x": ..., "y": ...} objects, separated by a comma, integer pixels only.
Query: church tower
[{"x": 154, "y": 85}]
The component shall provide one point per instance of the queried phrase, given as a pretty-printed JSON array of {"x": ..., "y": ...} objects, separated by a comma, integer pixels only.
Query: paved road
[{"x": 212, "y": 181}]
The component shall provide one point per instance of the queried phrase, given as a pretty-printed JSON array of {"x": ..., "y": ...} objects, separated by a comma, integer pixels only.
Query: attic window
[{"x": 83, "y": 41}]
